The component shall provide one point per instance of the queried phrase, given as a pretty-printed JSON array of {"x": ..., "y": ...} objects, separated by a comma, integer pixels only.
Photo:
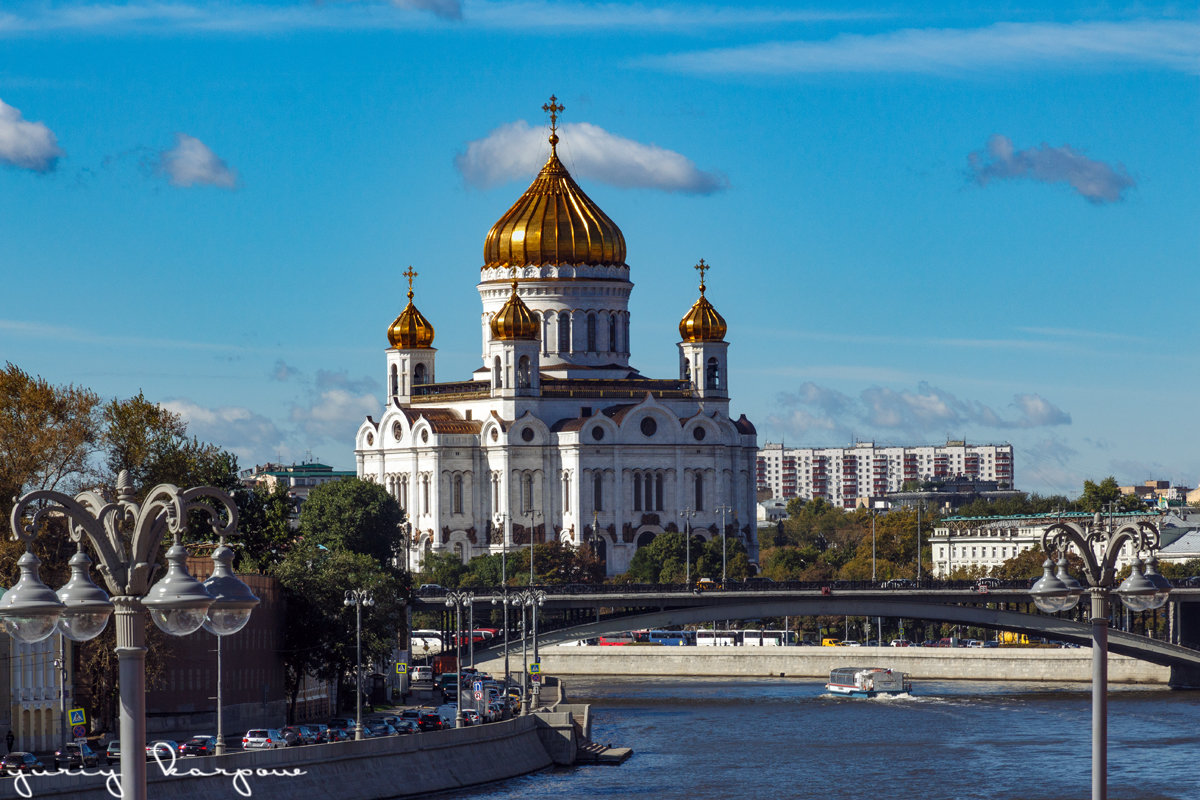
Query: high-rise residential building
[{"x": 843, "y": 475}]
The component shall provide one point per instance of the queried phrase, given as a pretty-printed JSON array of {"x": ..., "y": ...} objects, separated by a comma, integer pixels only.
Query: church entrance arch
[{"x": 645, "y": 535}]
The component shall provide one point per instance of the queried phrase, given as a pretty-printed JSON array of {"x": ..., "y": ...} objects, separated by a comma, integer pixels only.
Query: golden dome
[
  {"x": 514, "y": 320},
  {"x": 410, "y": 330},
  {"x": 554, "y": 222},
  {"x": 702, "y": 323}
]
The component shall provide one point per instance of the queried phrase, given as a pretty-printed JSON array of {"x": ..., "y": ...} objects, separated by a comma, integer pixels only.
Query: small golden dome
[
  {"x": 702, "y": 323},
  {"x": 554, "y": 222},
  {"x": 410, "y": 330},
  {"x": 514, "y": 320}
]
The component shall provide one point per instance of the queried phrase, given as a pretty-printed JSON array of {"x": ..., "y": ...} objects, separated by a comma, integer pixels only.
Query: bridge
[{"x": 577, "y": 611}]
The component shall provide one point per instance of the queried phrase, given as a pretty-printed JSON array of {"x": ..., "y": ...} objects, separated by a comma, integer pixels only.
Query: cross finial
[
  {"x": 410, "y": 273},
  {"x": 702, "y": 268},
  {"x": 553, "y": 107}
]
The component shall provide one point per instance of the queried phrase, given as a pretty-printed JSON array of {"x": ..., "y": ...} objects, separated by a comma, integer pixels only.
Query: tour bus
[
  {"x": 611, "y": 639},
  {"x": 707, "y": 638},
  {"x": 425, "y": 642},
  {"x": 674, "y": 638},
  {"x": 754, "y": 638}
]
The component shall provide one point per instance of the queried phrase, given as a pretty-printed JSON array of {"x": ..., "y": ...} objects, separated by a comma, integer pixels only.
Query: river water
[{"x": 697, "y": 738}]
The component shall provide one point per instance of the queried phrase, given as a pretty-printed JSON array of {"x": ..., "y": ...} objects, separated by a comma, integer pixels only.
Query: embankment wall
[{"x": 923, "y": 663}]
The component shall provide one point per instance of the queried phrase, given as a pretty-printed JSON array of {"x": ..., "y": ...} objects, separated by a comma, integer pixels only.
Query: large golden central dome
[{"x": 554, "y": 222}]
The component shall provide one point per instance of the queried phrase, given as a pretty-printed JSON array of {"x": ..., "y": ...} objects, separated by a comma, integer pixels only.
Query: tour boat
[{"x": 867, "y": 681}]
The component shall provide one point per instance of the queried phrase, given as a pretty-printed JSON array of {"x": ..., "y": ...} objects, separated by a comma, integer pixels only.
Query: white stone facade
[{"x": 843, "y": 475}]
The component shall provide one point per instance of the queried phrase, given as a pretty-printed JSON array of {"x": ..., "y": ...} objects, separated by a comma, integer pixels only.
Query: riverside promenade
[{"x": 923, "y": 663}]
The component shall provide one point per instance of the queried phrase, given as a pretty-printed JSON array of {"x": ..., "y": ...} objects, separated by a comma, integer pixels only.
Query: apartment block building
[{"x": 843, "y": 475}]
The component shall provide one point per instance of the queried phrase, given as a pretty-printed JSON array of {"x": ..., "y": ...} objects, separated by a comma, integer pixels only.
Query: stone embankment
[{"x": 923, "y": 663}]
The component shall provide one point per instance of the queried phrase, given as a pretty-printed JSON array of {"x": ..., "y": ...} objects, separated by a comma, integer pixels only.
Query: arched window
[
  {"x": 395, "y": 380},
  {"x": 526, "y": 492},
  {"x": 523, "y": 373},
  {"x": 658, "y": 492},
  {"x": 612, "y": 333},
  {"x": 637, "y": 491},
  {"x": 425, "y": 494},
  {"x": 699, "y": 492},
  {"x": 403, "y": 498},
  {"x": 712, "y": 375},
  {"x": 457, "y": 494},
  {"x": 566, "y": 493},
  {"x": 495, "y": 494},
  {"x": 591, "y": 333},
  {"x": 419, "y": 375},
  {"x": 497, "y": 374},
  {"x": 687, "y": 369},
  {"x": 564, "y": 332},
  {"x": 648, "y": 491},
  {"x": 458, "y": 551},
  {"x": 598, "y": 491},
  {"x": 625, "y": 334}
]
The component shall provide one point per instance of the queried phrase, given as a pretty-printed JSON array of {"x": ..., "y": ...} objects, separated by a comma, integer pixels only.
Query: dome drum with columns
[{"x": 556, "y": 436}]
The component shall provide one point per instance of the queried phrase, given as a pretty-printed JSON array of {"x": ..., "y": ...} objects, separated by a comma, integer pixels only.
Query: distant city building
[
  {"x": 300, "y": 479},
  {"x": 1153, "y": 491},
  {"x": 771, "y": 511},
  {"x": 950, "y": 495},
  {"x": 843, "y": 475},
  {"x": 987, "y": 542}
]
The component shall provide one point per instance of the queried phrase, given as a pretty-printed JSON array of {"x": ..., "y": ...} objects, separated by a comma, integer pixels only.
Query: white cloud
[
  {"x": 814, "y": 409},
  {"x": 234, "y": 428},
  {"x": 446, "y": 9},
  {"x": 190, "y": 162},
  {"x": 1094, "y": 180},
  {"x": 517, "y": 150},
  {"x": 335, "y": 414},
  {"x": 282, "y": 371},
  {"x": 25, "y": 144},
  {"x": 1167, "y": 44}
]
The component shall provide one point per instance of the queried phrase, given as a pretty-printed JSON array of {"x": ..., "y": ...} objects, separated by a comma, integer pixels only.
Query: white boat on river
[{"x": 867, "y": 681}]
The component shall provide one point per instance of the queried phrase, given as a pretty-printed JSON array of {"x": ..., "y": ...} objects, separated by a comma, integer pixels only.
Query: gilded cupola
[
  {"x": 514, "y": 320},
  {"x": 554, "y": 222},
  {"x": 410, "y": 330},
  {"x": 702, "y": 323}
]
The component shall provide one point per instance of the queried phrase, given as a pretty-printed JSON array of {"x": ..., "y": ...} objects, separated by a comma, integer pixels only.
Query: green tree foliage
[
  {"x": 1098, "y": 496},
  {"x": 1174, "y": 572},
  {"x": 1016, "y": 506},
  {"x": 442, "y": 569},
  {"x": 354, "y": 515},
  {"x": 264, "y": 527},
  {"x": 664, "y": 560},
  {"x": 319, "y": 631}
]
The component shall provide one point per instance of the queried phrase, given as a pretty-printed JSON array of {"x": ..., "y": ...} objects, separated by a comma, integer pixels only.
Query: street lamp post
[
  {"x": 456, "y": 600},
  {"x": 1100, "y": 545},
  {"x": 724, "y": 510},
  {"x": 533, "y": 599},
  {"x": 61, "y": 664},
  {"x": 358, "y": 598},
  {"x": 687, "y": 515},
  {"x": 533, "y": 517},
  {"x": 501, "y": 521},
  {"x": 126, "y": 536}
]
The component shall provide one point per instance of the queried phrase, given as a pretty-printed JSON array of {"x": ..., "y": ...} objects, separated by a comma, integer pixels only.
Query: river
[{"x": 719, "y": 738}]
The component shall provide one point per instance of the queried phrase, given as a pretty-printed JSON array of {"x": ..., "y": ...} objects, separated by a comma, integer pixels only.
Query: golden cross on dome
[
  {"x": 702, "y": 268},
  {"x": 410, "y": 273},
  {"x": 552, "y": 108}
]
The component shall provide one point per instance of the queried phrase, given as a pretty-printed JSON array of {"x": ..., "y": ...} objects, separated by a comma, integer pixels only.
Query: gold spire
[
  {"x": 514, "y": 320},
  {"x": 702, "y": 323},
  {"x": 554, "y": 222},
  {"x": 410, "y": 330}
]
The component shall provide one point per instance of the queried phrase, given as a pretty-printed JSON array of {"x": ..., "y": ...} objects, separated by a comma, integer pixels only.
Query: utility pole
[
  {"x": 724, "y": 510},
  {"x": 687, "y": 515}
]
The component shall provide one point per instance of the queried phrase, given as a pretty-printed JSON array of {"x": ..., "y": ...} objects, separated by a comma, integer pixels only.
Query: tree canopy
[{"x": 354, "y": 515}]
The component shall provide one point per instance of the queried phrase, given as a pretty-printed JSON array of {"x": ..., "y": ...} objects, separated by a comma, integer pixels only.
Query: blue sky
[{"x": 925, "y": 220}]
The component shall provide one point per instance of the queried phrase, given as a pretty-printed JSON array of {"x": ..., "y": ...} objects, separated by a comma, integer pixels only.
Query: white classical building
[{"x": 556, "y": 436}]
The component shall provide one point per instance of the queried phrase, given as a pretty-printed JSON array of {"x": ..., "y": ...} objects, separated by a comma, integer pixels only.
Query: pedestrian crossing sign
[
  {"x": 401, "y": 668},
  {"x": 535, "y": 668},
  {"x": 78, "y": 717}
]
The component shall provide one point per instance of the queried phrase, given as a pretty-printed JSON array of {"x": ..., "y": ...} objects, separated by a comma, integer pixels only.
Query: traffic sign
[
  {"x": 401, "y": 668},
  {"x": 478, "y": 687},
  {"x": 478, "y": 694},
  {"x": 79, "y": 732},
  {"x": 535, "y": 668},
  {"x": 78, "y": 717}
]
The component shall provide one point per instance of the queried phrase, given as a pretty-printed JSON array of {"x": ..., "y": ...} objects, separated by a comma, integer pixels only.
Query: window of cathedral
[
  {"x": 612, "y": 333},
  {"x": 457, "y": 494},
  {"x": 395, "y": 381},
  {"x": 496, "y": 374},
  {"x": 698, "y": 433},
  {"x": 699, "y": 492},
  {"x": 495, "y": 435},
  {"x": 637, "y": 491},
  {"x": 425, "y": 436},
  {"x": 591, "y": 333},
  {"x": 585, "y": 411},
  {"x": 597, "y": 433},
  {"x": 523, "y": 373},
  {"x": 649, "y": 426},
  {"x": 598, "y": 492},
  {"x": 712, "y": 375},
  {"x": 564, "y": 332},
  {"x": 419, "y": 375},
  {"x": 658, "y": 492},
  {"x": 370, "y": 438},
  {"x": 526, "y": 493},
  {"x": 397, "y": 431},
  {"x": 527, "y": 434}
]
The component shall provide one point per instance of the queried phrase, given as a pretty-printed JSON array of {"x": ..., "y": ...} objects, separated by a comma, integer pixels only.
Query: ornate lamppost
[
  {"x": 533, "y": 599},
  {"x": 687, "y": 515},
  {"x": 534, "y": 515},
  {"x": 358, "y": 598},
  {"x": 724, "y": 510},
  {"x": 456, "y": 600},
  {"x": 126, "y": 536},
  {"x": 501, "y": 518},
  {"x": 1100, "y": 545}
]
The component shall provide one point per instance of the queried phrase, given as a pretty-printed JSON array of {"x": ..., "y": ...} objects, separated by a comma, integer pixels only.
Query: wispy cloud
[
  {"x": 1093, "y": 180},
  {"x": 25, "y": 144},
  {"x": 814, "y": 409},
  {"x": 237, "y": 429},
  {"x": 1168, "y": 44},
  {"x": 192, "y": 163},
  {"x": 224, "y": 16},
  {"x": 517, "y": 150}
]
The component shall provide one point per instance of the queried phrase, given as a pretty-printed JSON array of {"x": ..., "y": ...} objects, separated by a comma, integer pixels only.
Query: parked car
[
  {"x": 202, "y": 745},
  {"x": 112, "y": 753},
  {"x": 75, "y": 754},
  {"x": 413, "y": 714},
  {"x": 18, "y": 761},
  {"x": 898, "y": 583},
  {"x": 161, "y": 747},
  {"x": 263, "y": 739},
  {"x": 900, "y": 643},
  {"x": 342, "y": 723}
]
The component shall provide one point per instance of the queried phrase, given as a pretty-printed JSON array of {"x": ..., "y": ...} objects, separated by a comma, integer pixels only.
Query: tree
[
  {"x": 264, "y": 527},
  {"x": 1097, "y": 496},
  {"x": 354, "y": 515}
]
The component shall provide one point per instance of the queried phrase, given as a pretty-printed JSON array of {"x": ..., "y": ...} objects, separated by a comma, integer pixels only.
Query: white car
[
  {"x": 263, "y": 739},
  {"x": 422, "y": 674}
]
